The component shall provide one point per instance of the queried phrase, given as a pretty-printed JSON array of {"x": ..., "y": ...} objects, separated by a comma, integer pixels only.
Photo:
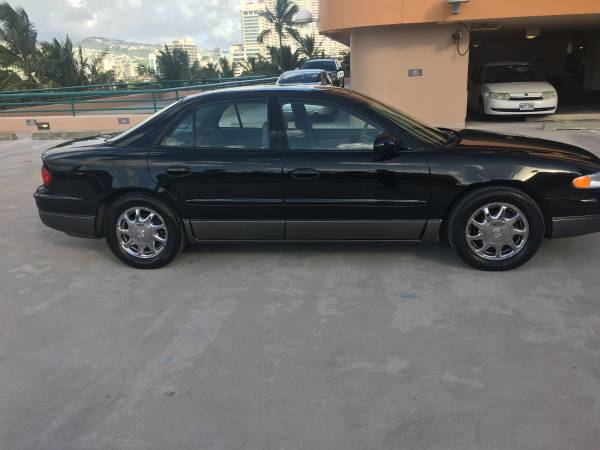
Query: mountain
[{"x": 118, "y": 47}]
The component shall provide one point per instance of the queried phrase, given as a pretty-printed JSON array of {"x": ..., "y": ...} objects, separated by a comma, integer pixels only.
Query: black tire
[
  {"x": 343, "y": 83},
  {"x": 172, "y": 222},
  {"x": 467, "y": 206}
]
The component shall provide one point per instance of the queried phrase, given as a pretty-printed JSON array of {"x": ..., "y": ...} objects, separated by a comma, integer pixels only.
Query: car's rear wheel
[
  {"x": 496, "y": 228},
  {"x": 142, "y": 231}
]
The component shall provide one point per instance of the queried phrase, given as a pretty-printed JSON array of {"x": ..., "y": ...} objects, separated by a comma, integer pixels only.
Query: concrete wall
[
  {"x": 382, "y": 57},
  {"x": 103, "y": 123},
  {"x": 337, "y": 15}
]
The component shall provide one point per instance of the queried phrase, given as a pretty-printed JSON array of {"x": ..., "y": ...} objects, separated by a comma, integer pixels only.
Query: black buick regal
[{"x": 315, "y": 164}]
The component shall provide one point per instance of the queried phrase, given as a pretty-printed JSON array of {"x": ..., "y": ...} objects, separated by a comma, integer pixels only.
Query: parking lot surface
[{"x": 291, "y": 347}]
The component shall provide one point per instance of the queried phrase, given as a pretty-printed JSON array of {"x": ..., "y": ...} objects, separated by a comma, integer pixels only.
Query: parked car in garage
[
  {"x": 309, "y": 77},
  {"x": 333, "y": 68},
  {"x": 510, "y": 88},
  {"x": 232, "y": 165}
]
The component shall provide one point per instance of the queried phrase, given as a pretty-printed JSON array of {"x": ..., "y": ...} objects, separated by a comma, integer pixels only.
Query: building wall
[
  {"x": 336, "y": 15},
  {"x": 382, "y": 57}
]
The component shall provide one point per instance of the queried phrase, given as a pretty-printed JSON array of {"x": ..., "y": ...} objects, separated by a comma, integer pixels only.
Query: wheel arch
[
  {"x": 518, "y": 185},
  {"x": 118, "y": 193}
]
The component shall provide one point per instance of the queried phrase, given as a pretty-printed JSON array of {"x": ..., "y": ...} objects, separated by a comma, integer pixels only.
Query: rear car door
[
  {"x": 337, "y": 188},
  {"x": 216, "y": 158}
]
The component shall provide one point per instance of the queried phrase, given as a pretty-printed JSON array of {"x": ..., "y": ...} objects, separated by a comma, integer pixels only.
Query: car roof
[
  {"x": 265, "y": 89},
  {"x": 320, "y": 59},
  {"x": 508, "y": 63}
]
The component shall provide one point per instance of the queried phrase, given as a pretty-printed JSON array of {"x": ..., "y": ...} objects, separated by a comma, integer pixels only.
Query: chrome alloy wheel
[
  {"x": 497, "y": 231},
  {"x": 142, "y": 232}
]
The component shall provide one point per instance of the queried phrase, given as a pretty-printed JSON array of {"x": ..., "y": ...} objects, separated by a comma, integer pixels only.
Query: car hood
[
  {"x": 488, "y": 142},
  {"x": 518, "y": 88}
]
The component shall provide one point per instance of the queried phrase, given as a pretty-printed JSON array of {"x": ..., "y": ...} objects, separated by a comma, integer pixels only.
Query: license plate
[{"x": 526, "y": 106}]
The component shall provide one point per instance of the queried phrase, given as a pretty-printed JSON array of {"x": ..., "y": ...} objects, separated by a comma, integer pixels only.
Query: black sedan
[{"x": 315, "y": 164}]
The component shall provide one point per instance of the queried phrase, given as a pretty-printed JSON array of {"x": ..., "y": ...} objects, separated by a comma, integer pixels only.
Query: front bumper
[
  {"x": 512, "y": 107},
  {"x": 575, "y": 226}
]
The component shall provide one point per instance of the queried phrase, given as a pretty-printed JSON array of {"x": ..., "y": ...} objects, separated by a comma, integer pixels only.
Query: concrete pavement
[{"x": 290, "y": 347}]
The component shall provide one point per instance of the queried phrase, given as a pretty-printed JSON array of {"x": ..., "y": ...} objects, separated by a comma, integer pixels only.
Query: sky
[{"x": 210, "y": 22}]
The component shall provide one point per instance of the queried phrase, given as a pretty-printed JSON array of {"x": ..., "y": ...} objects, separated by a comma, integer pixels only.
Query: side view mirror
[{"x": 385, "y": 146}]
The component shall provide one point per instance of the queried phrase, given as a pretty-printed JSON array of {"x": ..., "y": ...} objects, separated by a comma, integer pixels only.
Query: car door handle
[
  {"x": 178, "y": 171},
  {"x": 305, "y": 174}
]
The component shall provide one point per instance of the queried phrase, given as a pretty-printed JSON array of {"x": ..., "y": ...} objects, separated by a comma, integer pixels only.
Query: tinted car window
[
  {"x": 515, "y": 73},
  {"x": 243, "y": 124},
  {"x": 328, "y": 65},
  {"x": 313, "y": 125},
  {"x": 300, "y": 78},
  {"x": 182, "y": 133}
]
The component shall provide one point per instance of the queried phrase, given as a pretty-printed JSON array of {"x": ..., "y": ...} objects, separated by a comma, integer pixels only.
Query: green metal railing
[{"x": 73, "y": 102}]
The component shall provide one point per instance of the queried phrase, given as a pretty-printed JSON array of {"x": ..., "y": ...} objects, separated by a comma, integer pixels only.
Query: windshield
[
  {"x": 292, "y": 78},
  {"x": 515, "y": 73},
  {"x": 320, "y": 64},
  {"x": 130, "y": 131},
  {"x": 422, "y": 132}
]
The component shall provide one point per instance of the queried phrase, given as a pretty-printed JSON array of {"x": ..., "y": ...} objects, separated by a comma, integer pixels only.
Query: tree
[
  {"x": 309, "y": 47},
  {"x": 209, "y": 72},
  {"x": 10, "y": 81},
  {"x": 145, "y": 71},
  {"x": 283, "y": 59},
  {"x": 95, "y": 70},
  {"x": 18, "y": 39},
  {"x": 282, "y": 20},
  {"x": 59, "y": 66},
  {"x": 173, "y": 65},
  {"x": 227, "y": 69},
  {"x": 257, "y": 66}
]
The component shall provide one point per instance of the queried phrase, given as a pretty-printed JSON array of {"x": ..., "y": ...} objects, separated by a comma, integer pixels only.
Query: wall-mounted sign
[
  {"x": 31, "y": 122},
  {"x": 123, "y": 120},
  {"x": 415, "y": 72}
]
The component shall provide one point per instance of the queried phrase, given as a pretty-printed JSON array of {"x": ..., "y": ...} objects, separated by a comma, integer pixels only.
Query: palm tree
[
  {"x": 257, "y": 66},
  {"x": 58, "y": 64},
  {"x": 208, "y": 72},
  {"x": 227, "y": 69},
  {"x": 281, "y": 19},
  {"x": 283, "y": 59},
  {"x": 309, "y": 46},
  {"x": 18, "y": 39},
  {"x": 173, "y": 65}
]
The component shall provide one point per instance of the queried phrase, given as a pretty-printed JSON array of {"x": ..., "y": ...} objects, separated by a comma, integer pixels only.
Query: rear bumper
[
  {"x": 575, "y": 226},
  {"x": 67, "y": 214},
  {"x": 80, "y": 226}
]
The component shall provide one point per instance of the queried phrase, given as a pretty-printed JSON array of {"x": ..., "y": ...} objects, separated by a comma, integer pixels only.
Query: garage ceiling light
[{"x": 532, "y": 33}]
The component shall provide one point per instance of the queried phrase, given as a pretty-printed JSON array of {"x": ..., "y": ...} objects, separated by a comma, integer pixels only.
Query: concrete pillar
[
  {"x": 416, "y": 69},
  {"x": 592, "y": 70}
]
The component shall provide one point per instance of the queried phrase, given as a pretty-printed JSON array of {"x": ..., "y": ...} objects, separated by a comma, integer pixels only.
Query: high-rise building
[
  {"x": 253, "y": 24},
  {"x": 188, "y": 45}
]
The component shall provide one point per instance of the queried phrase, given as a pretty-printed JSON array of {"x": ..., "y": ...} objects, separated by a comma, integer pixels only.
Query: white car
[{"x": 510, "y": 88}]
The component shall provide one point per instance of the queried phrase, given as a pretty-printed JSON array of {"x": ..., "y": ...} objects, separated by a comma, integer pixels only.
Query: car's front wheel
[
  {"x": 496, "y": 228},
  {"x": 142, "y": 231}
]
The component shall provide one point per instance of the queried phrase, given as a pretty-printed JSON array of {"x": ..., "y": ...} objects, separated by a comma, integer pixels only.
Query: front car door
[
  {"x": 336, "y": 187},
  {"x": 216, "y": 158}
]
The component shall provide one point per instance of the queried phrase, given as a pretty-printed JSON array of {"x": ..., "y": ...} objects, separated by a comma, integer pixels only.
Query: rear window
[
  {"x": 320, "y": 64},
  {"x": 292, "y": 78}
]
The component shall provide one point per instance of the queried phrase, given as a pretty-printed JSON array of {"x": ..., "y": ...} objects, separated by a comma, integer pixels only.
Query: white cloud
[{"x": 211, "y": 22}]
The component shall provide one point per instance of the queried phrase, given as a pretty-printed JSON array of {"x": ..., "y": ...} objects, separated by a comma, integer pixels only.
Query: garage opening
[{"x": 564, "y": 51}]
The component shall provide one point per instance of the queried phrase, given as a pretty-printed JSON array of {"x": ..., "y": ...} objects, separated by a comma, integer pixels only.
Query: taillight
[{"x": 46, "y": 176}]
